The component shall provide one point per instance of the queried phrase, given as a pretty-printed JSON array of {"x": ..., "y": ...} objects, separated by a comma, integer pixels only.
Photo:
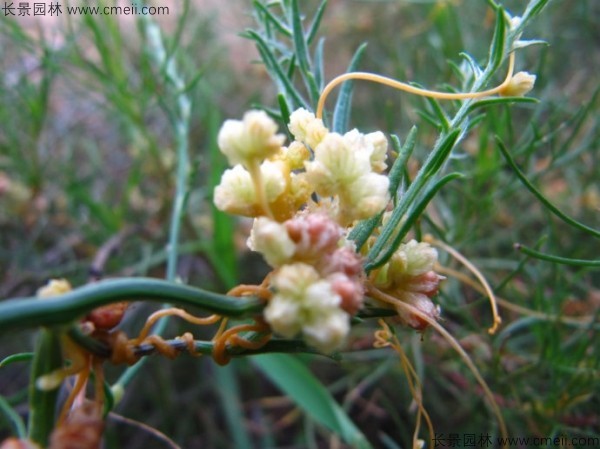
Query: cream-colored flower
[
  {"x": 380, "y": 148},
  {"x": 305, "y": 303},
  {"x": 336, "y": 165},
  {"x": 251, "y": 140},
  {"x": 410, "y": 261},
  {"x": 295, "y": 155},
  {"x": 55, "y": 287},
  {"x": 328, "y": 332},
  {"x": 365, "y": 197},
  {"x": 271, "y": 240},
  {"x": 307, "y": 128},
  {"x": 417, "y": 257},
  {"x": 315, "y": 236},
  {"x": 519, "y": 85},
  {"x": 236, "y": 193}
]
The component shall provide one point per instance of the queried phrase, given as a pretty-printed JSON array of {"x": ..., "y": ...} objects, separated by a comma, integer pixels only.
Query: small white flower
[
  {"x": 55, "y": 287},
  {"x": 251, "y": 140},
  {"x": 519, "y": 85},
  {"x": 236, "y": 193},
  {"x": 295, "y": 155},
  {"x": 336, "y": 165},
  {"x": 306, "y": 303},
  {"x": 271, "y": 240},
  {"x": 328, "y": 332},
  {"x": 314, "y": 235},
  {"x": 365, "y": 197},
  {"x": 409, "y": 268},
  {"x": 416, "y": 258},
  {"x": 380, "y": 148},
  {"x": 307, "y": 128}
]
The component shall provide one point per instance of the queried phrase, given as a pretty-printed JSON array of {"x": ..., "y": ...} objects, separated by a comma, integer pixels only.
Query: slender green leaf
[
  {"x": 501, "y": 100},
  {"x": 276, "y": 71},
  {"x": 276, "y": 21},
  {"x": 551, "y": 207},
  {"x": 404, "y": 153},
  {"x": 318, "y": 65},
  {"x": 31, "y": 312},
  {"x": 42, "y": 404},
  {"x": 341, "y": 113},
  {"x": 11, "y": 415},
  {"x": 300, "y": 47},
  {"x": 229, "y": 393},
  {"x": 296, "y": 381},
  {"x": 557, "y": 259},
  {"x": 285, "y": 114},
  {"x": 439, "y": 113},
  {"x": 496, "y": 55},
  {"x": 475, "y": 69},
  {"x": 15, "y": 358},
  {"x": 314, "y": 26},
  {"x": 382, "y": 250}
]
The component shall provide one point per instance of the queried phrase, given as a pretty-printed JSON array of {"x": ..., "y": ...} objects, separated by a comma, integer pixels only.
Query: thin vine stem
[{"x": 405, "y": 87}]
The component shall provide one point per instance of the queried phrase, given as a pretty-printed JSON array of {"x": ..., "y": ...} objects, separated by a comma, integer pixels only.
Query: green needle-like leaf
[{"x": 341, "y": 113}]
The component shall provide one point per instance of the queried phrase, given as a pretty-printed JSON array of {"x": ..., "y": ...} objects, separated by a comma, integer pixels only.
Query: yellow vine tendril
[
  {"x": 384, "y": 297},
  {"x": 385, "y": 337},
  {"x": 486, "y": 286},
  {"x": 399, "y": 85}
]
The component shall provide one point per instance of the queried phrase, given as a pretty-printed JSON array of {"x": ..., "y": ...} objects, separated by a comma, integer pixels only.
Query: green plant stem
[
  {"x": 180, "y": 119},
  {"x": 64, "y": 309},
  {"x": 547, "y": 204},
  {"x": 557, "y": 259},
  {"x": 13, "y": 417},
  {"x": 42, "y": 404}
]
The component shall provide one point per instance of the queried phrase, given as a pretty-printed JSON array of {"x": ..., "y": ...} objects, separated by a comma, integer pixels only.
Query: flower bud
[
  {"x": 271, "y": 239},
  {"x": 236, "y": 193},
  {"x": 519, "y": 85},
  {"x": 379, "y": 154},
  {"x": 55, "y": 287},
  {"x": 251, "y": 140},
  {"x": 314, "y": 235},
  {"x": 306, "y": 303},
  {"x": 307, "y": 128}
]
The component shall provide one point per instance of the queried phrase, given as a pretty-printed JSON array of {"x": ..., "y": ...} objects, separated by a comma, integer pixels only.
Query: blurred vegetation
[{"x": 87, "y": 163}]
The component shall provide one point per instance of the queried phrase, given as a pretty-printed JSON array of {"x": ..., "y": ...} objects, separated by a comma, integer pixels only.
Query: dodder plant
[{"x": 333, "y": 211}]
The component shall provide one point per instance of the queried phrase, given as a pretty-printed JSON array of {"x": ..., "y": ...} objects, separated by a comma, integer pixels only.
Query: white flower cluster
[
  {"x": 317, "y": 282},
  {"x": 344, "y": 170},
  {"x": 409, "y": 276},
  {"x": 303, "y": 197}
]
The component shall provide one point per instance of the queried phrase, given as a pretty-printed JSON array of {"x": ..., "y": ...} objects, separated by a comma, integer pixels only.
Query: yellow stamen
[
  {"x": 488, "y": 290},
  {"x": 366, "y": 76}
]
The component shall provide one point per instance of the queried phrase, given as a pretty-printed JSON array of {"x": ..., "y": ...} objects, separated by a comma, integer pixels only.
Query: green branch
[{"x": 33, "y": 312}]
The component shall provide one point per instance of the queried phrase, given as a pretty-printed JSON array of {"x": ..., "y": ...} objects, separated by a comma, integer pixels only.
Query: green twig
[
  {"x": 557, "y": 259},
  {"x": 13, "y": 417},
  {"x": 547, "y": 204},
  {"x": 64, "y": 309}
]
